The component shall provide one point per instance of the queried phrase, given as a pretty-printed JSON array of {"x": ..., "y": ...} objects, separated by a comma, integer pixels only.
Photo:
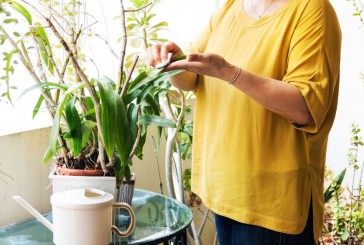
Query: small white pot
[{"x": 64, "y": 183}]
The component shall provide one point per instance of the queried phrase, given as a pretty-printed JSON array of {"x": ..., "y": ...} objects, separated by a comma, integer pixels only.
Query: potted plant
[{"x": 99, "y": 123}]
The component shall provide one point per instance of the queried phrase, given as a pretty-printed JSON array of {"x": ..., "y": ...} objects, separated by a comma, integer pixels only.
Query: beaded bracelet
[{"x": 236, "y": 77}]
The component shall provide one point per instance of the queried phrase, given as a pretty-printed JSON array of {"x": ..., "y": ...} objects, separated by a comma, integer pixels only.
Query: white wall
[{"x": 22, "y": 173}]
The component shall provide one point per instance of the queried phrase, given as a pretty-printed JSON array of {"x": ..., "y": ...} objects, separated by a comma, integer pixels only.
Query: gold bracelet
[{"x": 236, "y": 77}]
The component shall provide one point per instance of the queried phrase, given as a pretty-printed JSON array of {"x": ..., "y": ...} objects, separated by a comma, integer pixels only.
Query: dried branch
[
  {"x": 126, "y": 85},
  {"x": 123, "y": 48},
  {"x": 138, "y": 9},
  {"x": 124, "y": 42}
]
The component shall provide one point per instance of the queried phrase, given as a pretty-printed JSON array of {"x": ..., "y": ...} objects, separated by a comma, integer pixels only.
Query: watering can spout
[{"x": 34, "y": 212}]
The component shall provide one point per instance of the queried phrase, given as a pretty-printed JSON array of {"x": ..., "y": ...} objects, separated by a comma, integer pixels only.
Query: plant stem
[
  {"x": 123, "y": 47},
  {"x": 90, "y": 90}
]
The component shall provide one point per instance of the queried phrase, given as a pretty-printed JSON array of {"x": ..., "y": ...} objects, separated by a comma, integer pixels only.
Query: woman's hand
[
  {"x": 158, "y": 54},
  {"x": 206, "y": 64},
  {"x": 199, "y": 63}
]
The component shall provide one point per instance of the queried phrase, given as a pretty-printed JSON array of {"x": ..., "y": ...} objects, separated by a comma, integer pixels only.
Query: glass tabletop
[{"x": 158, "y": 218}]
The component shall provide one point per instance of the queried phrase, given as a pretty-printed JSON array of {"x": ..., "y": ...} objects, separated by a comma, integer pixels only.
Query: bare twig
[
  {"x": 138, "y": 9},
  {"x": 123, "y": 47},
  {"x": 126, "y": 85}
]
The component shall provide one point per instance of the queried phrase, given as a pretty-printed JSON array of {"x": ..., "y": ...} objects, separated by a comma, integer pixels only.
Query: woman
[{"x": 266, "y": 76}]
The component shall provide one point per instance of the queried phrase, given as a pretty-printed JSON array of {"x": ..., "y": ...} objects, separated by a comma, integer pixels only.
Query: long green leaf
[
  {"x": 37, "y": 106},
  {"x": 154, "y": 81},
  {"x": 146, "y": 90},
  {"x": 74, "y": 125},
  {"x": 160, "y": 24},
  {"x": 137, "y": 82},
  {"x": 108, "y": 115},
  {"x": 41, "y": 32},
  {"x": 49, "y": 153},
  {"x": 153, "y": 104},
  {"x": 23, "y": 11},
  {"x": 139, "y": 149},
  {"x": 122, "y": 131},
  {"x": 156, "y": 120},
  {"x": 52, "y": 148},
  {"x": 133, "y": 112},
  {"x": 87, "y": 127},
  {"x": 42, "y": 39},
  {"x": 128, "y": 98},
  {"x": 47, "y": 85},
  {"x": 334, "y": 187}
]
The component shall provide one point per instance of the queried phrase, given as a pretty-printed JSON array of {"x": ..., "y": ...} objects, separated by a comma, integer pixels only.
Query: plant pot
[
  {"x": 68, "y": 179},
  {"x": 78, "y": 172}
]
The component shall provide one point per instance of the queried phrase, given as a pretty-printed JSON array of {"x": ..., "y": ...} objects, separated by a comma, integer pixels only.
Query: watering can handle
[{"x": 131, "y": 227}]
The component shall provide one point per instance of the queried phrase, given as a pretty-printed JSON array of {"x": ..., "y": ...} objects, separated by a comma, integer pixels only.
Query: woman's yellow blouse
[{"x": 249, "y": 163}]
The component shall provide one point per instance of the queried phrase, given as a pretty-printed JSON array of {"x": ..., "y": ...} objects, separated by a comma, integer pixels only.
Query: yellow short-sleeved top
[{"x": 249, "y": 163}]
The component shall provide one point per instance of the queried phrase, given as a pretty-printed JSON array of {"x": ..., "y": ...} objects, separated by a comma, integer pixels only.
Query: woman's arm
[
  {"x": 280, "y": 97},
  {"x": 277, "y": 96}
]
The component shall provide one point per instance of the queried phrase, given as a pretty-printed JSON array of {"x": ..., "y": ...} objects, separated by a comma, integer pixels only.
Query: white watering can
[{"x": 82, "y": 216}]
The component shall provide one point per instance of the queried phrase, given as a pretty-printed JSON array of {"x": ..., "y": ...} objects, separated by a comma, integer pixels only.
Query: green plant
[
  {"x": 344, "y": 214},
  {"x": 98, "y": 122},
  {"x": 358, "y": 10}
]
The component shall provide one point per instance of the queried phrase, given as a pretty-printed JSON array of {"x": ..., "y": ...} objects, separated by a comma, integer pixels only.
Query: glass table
[{"x": 158, "y": 219}]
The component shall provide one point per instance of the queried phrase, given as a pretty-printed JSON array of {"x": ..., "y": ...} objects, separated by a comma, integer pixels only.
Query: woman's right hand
[{"x": 158, "y": 54}]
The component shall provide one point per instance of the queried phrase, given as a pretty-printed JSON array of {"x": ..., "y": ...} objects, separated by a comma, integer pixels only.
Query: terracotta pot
[{"x": 79, "y": 172}]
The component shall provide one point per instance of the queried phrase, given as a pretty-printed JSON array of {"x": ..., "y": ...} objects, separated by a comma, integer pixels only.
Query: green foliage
[
  {"x": 344, "y": 219},
  {"x": 358, "y": 10},
  {"x": 74, "y": 125},
  {"x": 143, "y": 30},
  {"x": 91, "y": 115},
  {"x": 187, "y": 179},
  {"x": 334, "y": 187}
]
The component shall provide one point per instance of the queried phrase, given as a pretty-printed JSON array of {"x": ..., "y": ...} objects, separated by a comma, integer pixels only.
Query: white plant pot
[{"x": 64, "y": 183}]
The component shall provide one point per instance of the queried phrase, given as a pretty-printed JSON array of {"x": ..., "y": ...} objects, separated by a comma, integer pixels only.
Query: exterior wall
[{"x": 22, "y": 173}]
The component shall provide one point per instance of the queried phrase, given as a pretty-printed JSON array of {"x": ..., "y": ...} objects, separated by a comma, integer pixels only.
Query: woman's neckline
[{"x": 250, "y": 21}]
